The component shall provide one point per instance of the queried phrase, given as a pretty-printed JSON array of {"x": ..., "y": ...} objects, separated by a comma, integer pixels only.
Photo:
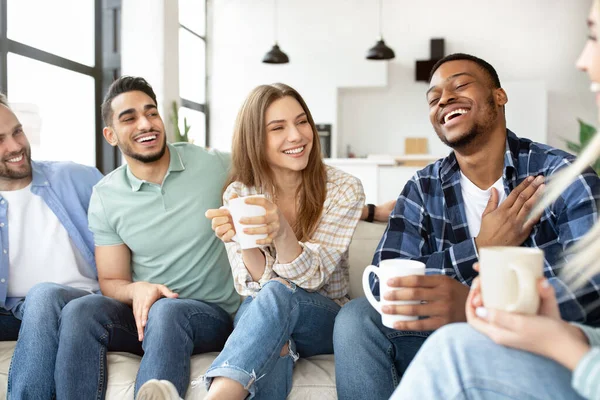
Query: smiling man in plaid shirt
[{"x": 478, "y": 196}]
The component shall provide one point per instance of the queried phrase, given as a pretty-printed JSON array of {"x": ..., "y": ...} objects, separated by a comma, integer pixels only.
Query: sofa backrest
[{"x": 363, "y": 246}]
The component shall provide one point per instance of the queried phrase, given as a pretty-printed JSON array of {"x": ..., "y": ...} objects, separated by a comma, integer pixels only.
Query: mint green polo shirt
[{"x": 164, "y": 226}]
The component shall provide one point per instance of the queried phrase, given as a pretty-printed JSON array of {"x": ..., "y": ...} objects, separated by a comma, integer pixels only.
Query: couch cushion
[
  {"x": 314, "y": 377},
  {"x": 363, "y": 246}
]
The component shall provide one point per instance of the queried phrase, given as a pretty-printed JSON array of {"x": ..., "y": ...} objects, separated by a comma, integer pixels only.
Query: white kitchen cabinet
[{"x": 382, "y": 180}]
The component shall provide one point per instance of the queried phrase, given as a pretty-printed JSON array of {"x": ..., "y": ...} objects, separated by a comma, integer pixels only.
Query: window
[
  {"x": 192, "y": 70},
  {"x": 65, "y": 105},
  {"x": 52, "y": 70}
]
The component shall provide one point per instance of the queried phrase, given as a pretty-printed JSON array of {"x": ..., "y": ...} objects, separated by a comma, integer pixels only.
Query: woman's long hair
[
  {"x": 584, "y": 256},
  {"x": 249, "y": 161}
]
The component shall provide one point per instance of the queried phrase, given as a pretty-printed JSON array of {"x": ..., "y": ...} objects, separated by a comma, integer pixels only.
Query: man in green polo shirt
[{"x": 167, "y": 284}]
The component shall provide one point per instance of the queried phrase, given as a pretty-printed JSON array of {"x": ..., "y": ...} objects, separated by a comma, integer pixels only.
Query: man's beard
[
  {"x": 6, "y": 172},
  {"x": 478, "y": 128},
  {"x": 145, "y": 158}
]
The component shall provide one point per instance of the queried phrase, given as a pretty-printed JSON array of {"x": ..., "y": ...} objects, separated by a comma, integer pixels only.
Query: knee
[
  {"x": 44, "y": 299},
  {"x": 79, "y": 312},
  {"x": 165, "y": 312},
  {"x": 45, "y": 293},
  {"x": 452, "y": 339},
  {"x": 354, "y": 321},
  {"x": 277, "y": 290}
]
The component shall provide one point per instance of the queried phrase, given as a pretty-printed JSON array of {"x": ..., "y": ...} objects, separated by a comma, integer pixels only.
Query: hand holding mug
[
  {"x": 235, "y": 221},
  {"x": 388, "y": 270},
  {"x": 442, "y": 301},
  {"x": 544, "y": 334},
  {"x": 222, "y": 222},
  {"x": 271, "y": 225}
]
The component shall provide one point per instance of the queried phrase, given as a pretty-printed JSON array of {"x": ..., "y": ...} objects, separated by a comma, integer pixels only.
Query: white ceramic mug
[
  {"x": 239, "y": 209},
  {"x": 390, "y": 269},
  {"x": 509, "y": 278}
]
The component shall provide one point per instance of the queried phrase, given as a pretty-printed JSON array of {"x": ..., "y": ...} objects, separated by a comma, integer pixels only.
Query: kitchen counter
[{"x": 383, "y": 178}]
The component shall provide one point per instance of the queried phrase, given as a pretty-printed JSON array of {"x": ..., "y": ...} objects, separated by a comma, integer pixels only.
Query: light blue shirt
[{"x": 66, "y": 188}]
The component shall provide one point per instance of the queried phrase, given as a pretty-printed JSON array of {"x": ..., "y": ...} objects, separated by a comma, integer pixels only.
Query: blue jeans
[
  {"x": 370, "y": 358},
  {"x": 279, "y": 314},
  {"x": 176, "y": 329},
  {"x": 31, "y": 374},
  {"x": 459, "y": 363}
]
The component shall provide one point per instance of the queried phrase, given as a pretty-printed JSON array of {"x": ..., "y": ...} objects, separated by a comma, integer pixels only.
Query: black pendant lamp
[
  {"x": 275, "y": 55},
  {"x": 380, "y": 51}
]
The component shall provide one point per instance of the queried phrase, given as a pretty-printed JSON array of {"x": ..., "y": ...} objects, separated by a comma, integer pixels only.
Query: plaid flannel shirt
[
  {"x": 429, "y": 223},
  {"x": 323, "y": 264}
]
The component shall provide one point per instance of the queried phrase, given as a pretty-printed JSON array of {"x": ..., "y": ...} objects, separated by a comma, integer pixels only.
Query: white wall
[
  {"x": 149, "y": 43},
  {"x": 374, "y": 105},
  {"x": 325, "y": 40}
]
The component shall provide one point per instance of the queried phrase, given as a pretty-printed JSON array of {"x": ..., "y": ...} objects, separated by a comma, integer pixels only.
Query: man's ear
[
  {"x": 110, "y": 135},
  {"x": 501, "y": 96}
]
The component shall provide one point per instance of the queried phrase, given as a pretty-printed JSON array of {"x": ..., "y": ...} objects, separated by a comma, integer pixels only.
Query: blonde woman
[
  {"x": 297, "y": 280},
  {"x": 542, "y": 356}
]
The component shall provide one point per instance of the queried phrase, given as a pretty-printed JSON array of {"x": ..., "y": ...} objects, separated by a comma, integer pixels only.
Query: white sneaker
[{"x": 158, "y": 390}]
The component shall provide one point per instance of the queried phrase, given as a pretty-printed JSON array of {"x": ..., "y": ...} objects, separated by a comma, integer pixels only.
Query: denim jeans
[
  {"x": 31, "y": 374},
  {"x": 176, "y": 329},
  {"x": 459, "y": 363},
  {"x": 279, "y": 314},
  {"x": 370, "y": 358}
]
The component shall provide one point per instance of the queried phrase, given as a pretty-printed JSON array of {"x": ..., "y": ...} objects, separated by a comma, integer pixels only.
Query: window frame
[
  {"x": 193, "y": 105},
  {"x": 107, "y": 66}
]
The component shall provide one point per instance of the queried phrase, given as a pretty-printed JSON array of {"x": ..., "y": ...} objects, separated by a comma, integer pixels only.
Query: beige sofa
[{"x": 314, "y": 378}]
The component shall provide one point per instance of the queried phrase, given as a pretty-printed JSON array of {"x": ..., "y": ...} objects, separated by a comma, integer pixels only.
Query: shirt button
[
  {"x": 4, "y": 251},
  {"x": 2, "y": 202},
  {"x": 1, "y": 224},
  {"x": 2, "y": 280}
]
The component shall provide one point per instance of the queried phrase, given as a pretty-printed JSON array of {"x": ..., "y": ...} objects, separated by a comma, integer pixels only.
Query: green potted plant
[
  {"x": 179, "y": 137},
  {"x": 586, "y": 133}
]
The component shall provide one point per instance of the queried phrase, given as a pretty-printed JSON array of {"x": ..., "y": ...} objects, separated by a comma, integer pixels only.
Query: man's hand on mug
[
  {"x": 443, "y": 301},
  {"x": 508, "y": 224},
  {"x": 221, "y": 222}
]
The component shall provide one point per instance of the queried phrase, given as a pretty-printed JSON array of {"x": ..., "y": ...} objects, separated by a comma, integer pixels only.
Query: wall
[
  {"x": 149, "y": 42},
  {"x": 374, "y": 105},
  {"x": 325, "y": 40}
]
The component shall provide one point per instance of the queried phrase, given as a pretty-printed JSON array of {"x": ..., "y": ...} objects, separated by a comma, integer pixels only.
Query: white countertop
[
  {"x": 383, "y": 160},
  {"x": 359, "y": 161}
]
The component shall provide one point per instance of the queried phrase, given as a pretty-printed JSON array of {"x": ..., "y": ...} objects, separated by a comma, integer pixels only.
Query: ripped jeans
[{"x": 263, "y": 325}]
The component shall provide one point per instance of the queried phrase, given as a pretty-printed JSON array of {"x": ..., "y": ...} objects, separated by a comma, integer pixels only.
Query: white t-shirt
[
  {"x": 476, "y": 200},
  {"x": 40, "y": 249}
]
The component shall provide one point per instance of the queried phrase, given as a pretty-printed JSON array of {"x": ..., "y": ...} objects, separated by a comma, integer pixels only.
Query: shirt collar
[
  {"x": 511, "y": 155},
  {"x": 175, "y": 165},
  {"x": 38, "y": 176},
  {"x": 449, "y": 165}
]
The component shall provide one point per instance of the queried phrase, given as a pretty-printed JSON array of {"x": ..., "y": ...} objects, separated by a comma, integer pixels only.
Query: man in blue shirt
[
  {"x": 478, "y": 196},
  {"x": 47, "y": 254}
]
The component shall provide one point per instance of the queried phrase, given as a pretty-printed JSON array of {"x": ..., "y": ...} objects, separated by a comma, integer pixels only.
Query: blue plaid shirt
[{"x": 429, "y": 223}]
